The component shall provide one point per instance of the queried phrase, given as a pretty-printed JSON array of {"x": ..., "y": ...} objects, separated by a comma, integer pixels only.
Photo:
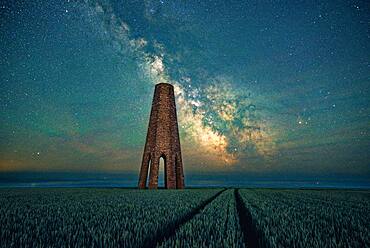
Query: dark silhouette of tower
[{"x": 162, "y": 140}]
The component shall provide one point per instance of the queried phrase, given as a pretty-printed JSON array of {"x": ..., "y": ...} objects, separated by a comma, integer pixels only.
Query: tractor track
[
  {"x": 250, "y": 233},
  {"x": 170, "y": 230}
]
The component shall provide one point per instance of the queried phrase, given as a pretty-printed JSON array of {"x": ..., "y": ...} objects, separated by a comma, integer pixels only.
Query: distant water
[
  {"x": 286, "y": 184},
  {"x": 117, "y": 183}
]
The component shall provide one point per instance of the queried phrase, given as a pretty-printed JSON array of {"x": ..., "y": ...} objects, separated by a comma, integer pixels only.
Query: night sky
[{"x": 262, "y": 87}]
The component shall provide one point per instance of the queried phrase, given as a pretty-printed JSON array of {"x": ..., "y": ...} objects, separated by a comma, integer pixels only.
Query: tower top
[{"x": 163, "y": 84}]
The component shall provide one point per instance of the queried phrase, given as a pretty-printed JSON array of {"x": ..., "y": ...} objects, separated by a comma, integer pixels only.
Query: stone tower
[{"x": 162, "y": 140}]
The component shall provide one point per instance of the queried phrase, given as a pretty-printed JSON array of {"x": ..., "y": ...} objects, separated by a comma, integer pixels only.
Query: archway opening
[
  {"x": 162, "y": 174},
  {"x": 148, "y": 173}
]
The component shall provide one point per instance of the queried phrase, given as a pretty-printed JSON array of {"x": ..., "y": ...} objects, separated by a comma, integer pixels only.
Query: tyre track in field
[
  {"x": 170, "y": 230},
  {"x": 249, "y": 230}
]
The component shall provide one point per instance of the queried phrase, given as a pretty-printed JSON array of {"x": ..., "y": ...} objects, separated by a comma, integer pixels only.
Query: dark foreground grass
[
  {"x": 184, "y": 218},
  {"x": 93, "y": 217}
]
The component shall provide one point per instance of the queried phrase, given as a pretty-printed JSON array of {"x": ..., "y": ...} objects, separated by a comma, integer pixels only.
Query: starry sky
[{"x": 262, "y": 87}]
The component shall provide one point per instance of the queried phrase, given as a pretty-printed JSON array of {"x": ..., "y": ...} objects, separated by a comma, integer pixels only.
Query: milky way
[
  {"x": 260, "y": 87},
  {"x": 215, "y": 118}
]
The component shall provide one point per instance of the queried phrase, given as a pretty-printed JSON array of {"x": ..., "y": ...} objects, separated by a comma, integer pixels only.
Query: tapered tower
[{"x": 162, "y": 140}]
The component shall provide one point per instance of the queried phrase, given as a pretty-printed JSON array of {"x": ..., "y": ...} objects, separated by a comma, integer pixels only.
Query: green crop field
[{"x": 184, "y": 218}]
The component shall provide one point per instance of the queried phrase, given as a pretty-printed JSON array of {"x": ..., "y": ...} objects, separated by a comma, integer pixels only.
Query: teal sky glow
[{"x": 261, "y": 87}]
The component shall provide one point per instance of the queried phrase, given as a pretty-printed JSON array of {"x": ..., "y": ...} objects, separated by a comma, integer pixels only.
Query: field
[{"x": 184, "y": 218}]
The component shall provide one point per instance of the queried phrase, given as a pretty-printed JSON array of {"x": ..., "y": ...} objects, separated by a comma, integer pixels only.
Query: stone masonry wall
[{"x": 162, "y": 141}]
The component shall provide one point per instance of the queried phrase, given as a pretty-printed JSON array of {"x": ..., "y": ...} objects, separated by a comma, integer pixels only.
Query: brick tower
[{"x": 162, "y": 140}]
